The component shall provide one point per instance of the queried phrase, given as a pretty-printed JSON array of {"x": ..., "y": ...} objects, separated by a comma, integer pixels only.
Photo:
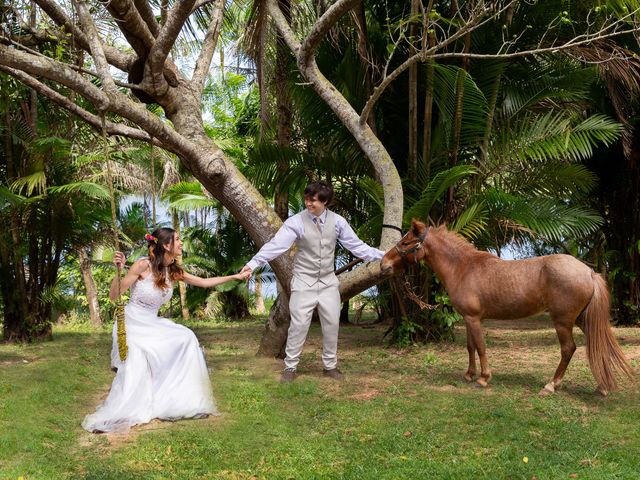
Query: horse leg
[
  {"x": 567, "y": 348},
  {"x": 471, "y": 348},
  {"x": 475, "y": 328}
]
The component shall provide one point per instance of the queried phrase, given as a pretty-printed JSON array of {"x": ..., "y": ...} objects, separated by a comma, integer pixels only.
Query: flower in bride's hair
[{"x": 150, "y": 238}]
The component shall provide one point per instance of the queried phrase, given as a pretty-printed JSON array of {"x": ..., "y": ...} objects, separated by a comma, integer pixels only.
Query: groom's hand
[{"x": 247, "y": 270}]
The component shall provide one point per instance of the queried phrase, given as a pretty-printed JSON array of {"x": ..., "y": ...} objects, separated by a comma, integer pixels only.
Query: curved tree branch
[
  {"x": 95, "y": 46},
  {"x": 147, "y": 15},
  {"x": 369, "y": 143},
  {"x": 86, "y": 116},
  {"x": 430, "y": 53},
  {"x": 322, "y": 26},
  {"x": 114, "y": 56},
  {"x": 208, "y": 46},
  {"x": 165, "y": 41},
  {"x": 116, "y": 102},
  {"x": 132, "y": 26}
]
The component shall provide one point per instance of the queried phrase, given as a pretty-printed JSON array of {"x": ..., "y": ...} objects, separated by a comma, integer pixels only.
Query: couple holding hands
[{"x": 164, "y": 374}]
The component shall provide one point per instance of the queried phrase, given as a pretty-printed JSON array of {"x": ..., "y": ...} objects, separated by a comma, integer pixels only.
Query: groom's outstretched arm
[{"x": 280, "y": 243}]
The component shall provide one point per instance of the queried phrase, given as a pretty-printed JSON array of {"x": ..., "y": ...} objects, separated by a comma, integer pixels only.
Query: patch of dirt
[{"x": 367, "y": 394}]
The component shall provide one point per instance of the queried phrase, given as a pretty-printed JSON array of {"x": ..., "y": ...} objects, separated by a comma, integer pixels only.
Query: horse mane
[{"x": 453, "y": 239}]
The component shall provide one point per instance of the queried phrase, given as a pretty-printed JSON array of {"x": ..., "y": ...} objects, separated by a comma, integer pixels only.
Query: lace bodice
[{"x": 145, "y": 294}]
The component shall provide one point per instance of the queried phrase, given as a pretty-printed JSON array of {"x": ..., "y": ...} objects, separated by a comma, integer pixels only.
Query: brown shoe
[
  {"x": 288, "y": 376},
  {"x": 333, "y": 373}
]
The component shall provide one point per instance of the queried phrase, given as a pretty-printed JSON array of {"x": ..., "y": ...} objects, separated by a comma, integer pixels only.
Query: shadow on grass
[
  {"x": 8, "y": 357},
  {"x": 527, "y": 383}
]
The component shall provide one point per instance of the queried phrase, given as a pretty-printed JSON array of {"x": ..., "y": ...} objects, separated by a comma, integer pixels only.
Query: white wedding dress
[{"x": 164, "y": 375}]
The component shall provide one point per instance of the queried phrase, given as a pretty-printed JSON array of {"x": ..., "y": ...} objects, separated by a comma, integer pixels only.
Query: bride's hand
[
  {"x": 243, "y": 275},
  {"x": 119, "y": 260}
]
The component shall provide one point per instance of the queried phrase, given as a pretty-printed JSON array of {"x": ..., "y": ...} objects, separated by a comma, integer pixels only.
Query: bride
[{"x": 164, "y": 374}]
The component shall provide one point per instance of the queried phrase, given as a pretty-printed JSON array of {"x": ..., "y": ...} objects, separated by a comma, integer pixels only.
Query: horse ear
[{"x": 416, "y": 226}]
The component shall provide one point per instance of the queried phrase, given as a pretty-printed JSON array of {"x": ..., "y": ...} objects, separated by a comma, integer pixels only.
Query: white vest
[{"x": 314, "y": 261}]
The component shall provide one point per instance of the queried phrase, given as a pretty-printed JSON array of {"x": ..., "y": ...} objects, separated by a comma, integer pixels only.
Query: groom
[{"x": 314, "y": 283}]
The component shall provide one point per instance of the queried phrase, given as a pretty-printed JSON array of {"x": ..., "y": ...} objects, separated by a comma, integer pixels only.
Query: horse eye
[{"x": 404, "y": 244}]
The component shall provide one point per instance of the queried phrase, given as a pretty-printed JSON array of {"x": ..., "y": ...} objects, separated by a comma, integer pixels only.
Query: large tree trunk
[
  {"x": 274, "y": 337},
  {"x": 260, "y": 308},
  {"x": 89, "y": 287}
]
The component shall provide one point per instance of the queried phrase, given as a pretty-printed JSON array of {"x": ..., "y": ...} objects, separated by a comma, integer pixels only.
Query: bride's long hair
[{"x": 156, "y": 242}]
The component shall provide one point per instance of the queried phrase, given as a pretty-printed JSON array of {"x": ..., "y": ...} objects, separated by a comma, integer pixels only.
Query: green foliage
[
  {"x": 474, "y": 104},
  {"x": 216, "y": 253},
  {"x": 188, "y": 196},
  {"x": 444, "y": 317},
  {"x": 421, "y": 208},
  {"x": 405, "y": 332}
]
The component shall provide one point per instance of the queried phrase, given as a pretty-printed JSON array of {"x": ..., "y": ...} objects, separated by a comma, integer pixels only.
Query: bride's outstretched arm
[
  {"x": 213, "y": 281},
  {"x": 132, "y": 275}
]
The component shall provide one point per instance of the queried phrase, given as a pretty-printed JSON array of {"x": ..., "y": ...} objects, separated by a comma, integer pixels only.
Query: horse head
[{"x": 409, "y": 250}]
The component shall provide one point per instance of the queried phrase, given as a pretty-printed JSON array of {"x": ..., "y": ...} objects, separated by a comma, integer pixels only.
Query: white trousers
[{"x": 301, "y": 306}]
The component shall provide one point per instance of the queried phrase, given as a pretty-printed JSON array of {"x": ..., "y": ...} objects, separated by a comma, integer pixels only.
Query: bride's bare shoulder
[{"x": 141, "y": 267}]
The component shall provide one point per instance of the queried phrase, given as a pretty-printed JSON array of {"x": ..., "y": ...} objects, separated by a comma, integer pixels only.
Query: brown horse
[{"x": 481, "y": 285}]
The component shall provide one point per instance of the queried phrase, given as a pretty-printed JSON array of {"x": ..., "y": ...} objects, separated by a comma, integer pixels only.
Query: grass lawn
[{"x": 400, "y": 414}]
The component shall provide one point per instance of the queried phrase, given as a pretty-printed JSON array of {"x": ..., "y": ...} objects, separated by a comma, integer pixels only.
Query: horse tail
[{"x": 604, "y": 354}]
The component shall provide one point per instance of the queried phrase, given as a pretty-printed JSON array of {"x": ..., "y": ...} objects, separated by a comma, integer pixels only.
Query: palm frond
[
  {"x": 438, "y": 185},
  {"x": 472, "y": 222},
  {"x": 474, "y": 108},
  {"x": 541, "y": 217},
  {"x": 552, "y": 136},
  {"x": 373, "y": 190},
  {"x": 8, "y": 198},
  {"x": 187, "y": 196},
  {"x": 87, "y": 189},
  {"x": 30, "y": 184}
]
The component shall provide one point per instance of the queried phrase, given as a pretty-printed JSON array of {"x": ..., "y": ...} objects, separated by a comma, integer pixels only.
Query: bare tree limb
[
  {"x": 165, "y": 41},
  {"x": 283, "y": 27},
  {"x": 117, "y": 103},
  {"x": 431, "y": 53},
  {"x": 114, "y": 56},
  {"x": 147, "y": 15},
  {"x": 132, "y": 26},
  {"x": 86, "y": 116},
  {"x": 41, "y": 66},
  {"x": 200, "y": 4},
  {"x": 203, "y": 64},
  {"x": 322, "y": 26},
  {"x": 95, "y": 46},
  {"x": 474, "y": 22},
  {"x": 20, "y": 46}
]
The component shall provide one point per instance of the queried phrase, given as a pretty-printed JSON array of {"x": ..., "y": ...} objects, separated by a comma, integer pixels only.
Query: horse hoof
[
  {"x": 548, "y": 389},
  {"x": 602, "y": 391},
  {"x": 468, "y": 377},
  {"x": 481, "y": 382}
]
